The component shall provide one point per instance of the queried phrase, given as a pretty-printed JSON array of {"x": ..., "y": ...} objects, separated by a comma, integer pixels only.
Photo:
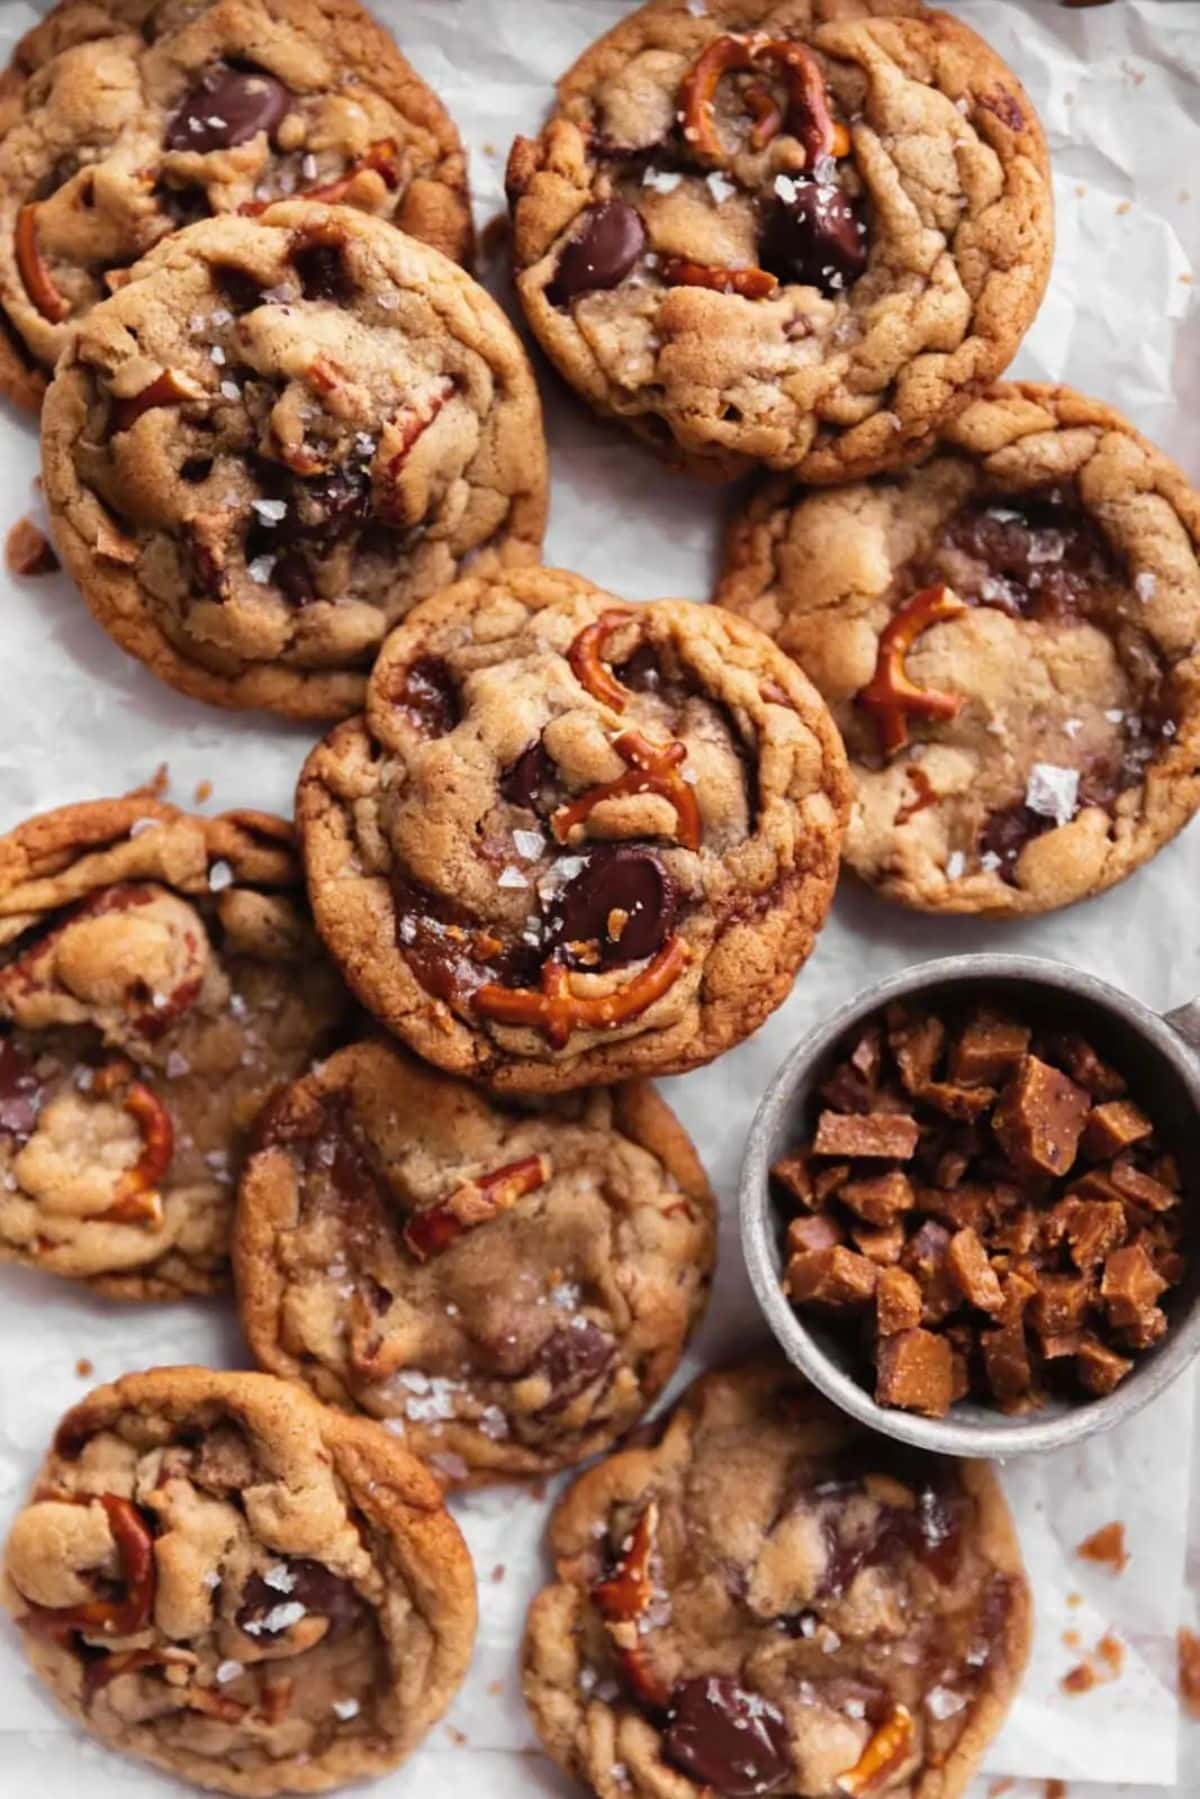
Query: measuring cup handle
[{"x": 1186, "y": 1020}]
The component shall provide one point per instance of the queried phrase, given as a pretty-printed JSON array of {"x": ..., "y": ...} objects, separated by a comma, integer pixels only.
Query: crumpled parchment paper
[{"x": 1118, "y": 87}]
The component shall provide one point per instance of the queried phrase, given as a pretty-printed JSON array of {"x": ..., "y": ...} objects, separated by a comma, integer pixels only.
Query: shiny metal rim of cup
[{"x": 968, "y": 1430}]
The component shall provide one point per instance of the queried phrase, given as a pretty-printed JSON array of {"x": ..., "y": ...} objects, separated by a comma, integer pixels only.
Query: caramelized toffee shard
[{"x": 1027, "y": 1233}]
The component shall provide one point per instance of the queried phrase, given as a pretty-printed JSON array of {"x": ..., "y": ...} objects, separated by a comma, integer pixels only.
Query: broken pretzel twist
[
  {"x": 891, "y": 696},
  {"x": 556, "y": 1012},
  {"x": 651, "y": 768},
  {"x": 807, "y": 112}
]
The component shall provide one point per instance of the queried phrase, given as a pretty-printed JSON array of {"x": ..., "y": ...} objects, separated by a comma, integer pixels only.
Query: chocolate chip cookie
[
  {"x": 159, "y": 975},
  {"x": 573, "y": 840},
  {"x": 280, "y": 434},
  {"x": 797, "y": 232},
  {"x": 1007, "y": 636},
  {"x": 506, "y": 1290},
  {"x": 221, "y": 1577},
  {"x": 773, "y": 1600},
  {"x": 125, "y": 120}
]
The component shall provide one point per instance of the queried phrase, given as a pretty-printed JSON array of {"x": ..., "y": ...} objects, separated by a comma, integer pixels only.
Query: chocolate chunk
[
  {"x": 571, "y": 1358},
  {"x": 331, "y": 504},
  {"x": 228, "y": 107},
  {"x": 641, "y": 672},
  {"x": 526, "y": 781},
  {"x": 293, "y": 577},
  {"x": 601, "y": 254},
  {"x": 1006, "y": 832},
  {"x": 322, "y": 270},
  {"x": 239, "y": 290},
  {"x": 632, "y": 884},
  {"x": 21, "y": 1092},
  {"x": 727, "y": 1738},
  {"x": 183, "y": 205},
  {"x": 817, "y": 238},
  {"x": 1037, "y": 554},
  {"x": 429, "y": 697},
  {"x": 310, "y": 1584}
]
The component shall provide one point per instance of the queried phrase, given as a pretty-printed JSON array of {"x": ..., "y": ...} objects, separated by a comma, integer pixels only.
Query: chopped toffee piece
[{"x": 1027, "y": 1241}]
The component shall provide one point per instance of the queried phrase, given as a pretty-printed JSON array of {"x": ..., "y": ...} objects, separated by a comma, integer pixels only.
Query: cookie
[
  {"x": 274, "y": 439},
  {"x": 1007, "y": 636},
  {"x": 793, "y": 232},
  {"x": 506, "y": 1290},
  {"x": 221, "y": 1577},
  {"x": 124, "y": 120},
  {"x": 159, "y": 976},
  {"x": 774, "y": 1600},
  {"x": 572, "y": 840}
]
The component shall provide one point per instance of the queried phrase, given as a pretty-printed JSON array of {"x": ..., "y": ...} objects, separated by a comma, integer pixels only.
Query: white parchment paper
[{"x": 1118, "y": 87}]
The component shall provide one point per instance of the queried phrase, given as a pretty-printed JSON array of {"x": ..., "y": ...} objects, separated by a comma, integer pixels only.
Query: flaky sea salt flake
[
  {"x": 220, "y": 876},
  {"x": 1053, "y": 792}
]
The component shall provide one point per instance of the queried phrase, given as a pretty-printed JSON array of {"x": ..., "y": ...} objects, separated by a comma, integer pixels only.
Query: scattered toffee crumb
[
  {"x": 83, "y": 1368},
  {"x": 1107, "y": 1547},
  {"x": 1071, "y": 1639},
  {"x": 1074, "y": 1599},
  {"x": 28, "y": 551},
  {"x": 495, "y": 1688},
  {"x": 498, "y": 1572},
  {"x": 1189, "y": 1671},
  {"x": 1105, "y": 1663},
  {"x": 457, "y": 1737},
  {"x": 204, "y": 791},
  {"x": 1055, "y": 1789},
  {"x": 1003, "y": 1784}
]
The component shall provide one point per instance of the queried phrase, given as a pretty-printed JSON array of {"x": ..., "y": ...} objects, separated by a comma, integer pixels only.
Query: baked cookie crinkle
[
  {"x": 275, "y": 438},
  {"x": 1007, "y": 636},
  {"x": 773, "y": 1600},
  {"x": 507, "y": 1290},
  {"x": 217, "y": 1575},
  {"x": 124, "y": 120},
  {"x": 573, "y": 840},
  {"x": 793, "y": 232},
  {"x": 159, "y": 976}
]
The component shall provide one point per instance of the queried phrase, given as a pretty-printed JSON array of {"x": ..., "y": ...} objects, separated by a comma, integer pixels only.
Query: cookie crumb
[
  {"x": 1056, "y": 1789},
  {"x": 495, "y": 1689},
  {"x": 83, "y": 1367},
  {"x": 1003, "y": 1784},
  {"x": 457, "y": 1737},
  {"x": 1107, "y": 1547},
  {"x": 498, "y": 1572},
  {"x": 203, "y": 793},
  {"x": 28, "y": 551}
]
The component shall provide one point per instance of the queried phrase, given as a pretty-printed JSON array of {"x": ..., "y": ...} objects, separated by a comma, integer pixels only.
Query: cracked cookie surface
[
  {"x": 125, "y": 120},
  {"x": 507, "y": 1290},
  {"x": 793, "y": 232},
  {"x": 573, "y": 840},
  {"x": 159, "y": 975},
  {"x": 252, "y": 1592},
  {"x": 1060, "y": 746},
  {"x": 278, "y": 436},
  {"x": 774, "y": 1600}
]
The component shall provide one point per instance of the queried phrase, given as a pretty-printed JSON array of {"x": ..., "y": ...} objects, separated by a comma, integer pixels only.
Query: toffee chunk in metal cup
[{"x": 1159, "y": 1057}]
